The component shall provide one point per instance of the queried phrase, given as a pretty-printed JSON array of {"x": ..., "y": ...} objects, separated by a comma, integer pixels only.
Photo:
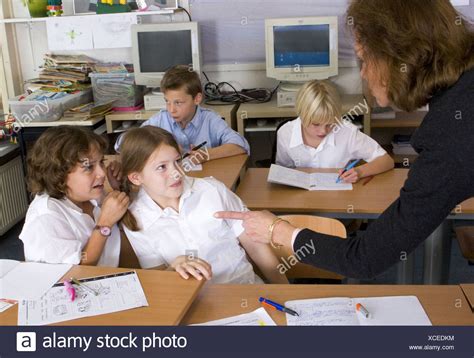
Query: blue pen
[
  {"x": 348, "y": 167},
  {"x": 277, "y": 306}
]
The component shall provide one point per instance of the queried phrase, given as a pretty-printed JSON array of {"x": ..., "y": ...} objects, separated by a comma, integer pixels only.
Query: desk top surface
[
  {"x": 220, "y": 301},
  {"x": 372, "y": 198},
  {"x": 270, "y": 109},
  {"x": 168, "y": 295},
  {"x": 226, "y": 170},
  {"x": 468, "y": 289}
]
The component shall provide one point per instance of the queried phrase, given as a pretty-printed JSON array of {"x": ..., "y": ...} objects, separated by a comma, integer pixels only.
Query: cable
[
  {"x": 186, "y": 11},
  {"x": 214, "y": 94}
]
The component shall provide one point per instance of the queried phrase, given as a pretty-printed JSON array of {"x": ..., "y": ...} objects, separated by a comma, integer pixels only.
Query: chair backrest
[
  {"x": 316, "y": 223},
  {"x": 274, "y": 149}
]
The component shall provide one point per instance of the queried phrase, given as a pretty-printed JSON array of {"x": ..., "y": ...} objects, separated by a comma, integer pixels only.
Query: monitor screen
[
  {"x": 161, "y": 50},
  {"x": 303, "y": 45}
]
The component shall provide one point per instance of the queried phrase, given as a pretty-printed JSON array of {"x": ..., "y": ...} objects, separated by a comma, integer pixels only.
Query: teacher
[{"x": 413, "y": 53}]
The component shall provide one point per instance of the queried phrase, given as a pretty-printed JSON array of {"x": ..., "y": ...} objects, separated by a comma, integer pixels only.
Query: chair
[
  {"x": 465, "y": 237},
  {"x": 315, "y": 223},
  {"x": 266, "y": 163},
  {"x": 128, "y": 258}
]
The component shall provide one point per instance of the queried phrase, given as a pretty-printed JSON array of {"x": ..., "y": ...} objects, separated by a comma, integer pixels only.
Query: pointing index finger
[{"x": 235, "y": 215}]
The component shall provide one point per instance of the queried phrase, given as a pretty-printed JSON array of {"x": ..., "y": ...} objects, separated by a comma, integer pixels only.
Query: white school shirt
[
  {"x": 345, "y": 142},
  {"x": 194, "y": 232},
  {"x": 56, "y": 231}
]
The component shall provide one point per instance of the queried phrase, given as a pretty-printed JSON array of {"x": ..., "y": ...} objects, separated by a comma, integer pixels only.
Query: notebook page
[
  {"x": 6, "y": 266},
  {"x": 287, "y": 176},
  {"x": 393, "y": 311},
  {"x": 259, "y": 317},
  {"x": 327, "y": 181},
  {"x": 30, "y": 280},
  {"x": 337, "y": 311}
]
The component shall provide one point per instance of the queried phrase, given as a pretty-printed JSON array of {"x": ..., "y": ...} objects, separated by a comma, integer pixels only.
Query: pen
[
  {"x": 277, "y": 306},
  {"x": 87, "y": 288},
  {"x": 369, "y": 178},
  {"x": 362, "y": 310},
  {"x": 348, "y": 167},
  {"x": 194, "y": 149}
]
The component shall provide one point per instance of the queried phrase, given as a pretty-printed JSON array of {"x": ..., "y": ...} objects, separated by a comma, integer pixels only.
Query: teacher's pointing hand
[{"x": 262, "y": 226}]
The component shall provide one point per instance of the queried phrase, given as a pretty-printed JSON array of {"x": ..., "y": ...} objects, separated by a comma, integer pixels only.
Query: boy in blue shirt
[{"x": 189, "y": 123}]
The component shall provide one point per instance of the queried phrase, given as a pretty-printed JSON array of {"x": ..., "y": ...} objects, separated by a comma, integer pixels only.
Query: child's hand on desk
[
  {"x": 350, "y": 176},
  {"x": 113, "y": 208},
  {"x": 114, "y": 174},
  {"x": 184, "y": 265}
]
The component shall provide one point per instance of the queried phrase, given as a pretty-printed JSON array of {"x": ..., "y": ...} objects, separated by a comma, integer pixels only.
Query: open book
[
  {"x": 341, "y": 311},
  {"x": 299, "y": 179}
]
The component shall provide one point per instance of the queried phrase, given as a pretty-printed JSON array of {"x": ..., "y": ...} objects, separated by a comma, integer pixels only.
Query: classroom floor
[{"x": 460, "y": 270}]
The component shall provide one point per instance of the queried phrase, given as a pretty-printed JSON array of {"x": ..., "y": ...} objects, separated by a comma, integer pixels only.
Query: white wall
[{"x": 32, "y": 42}]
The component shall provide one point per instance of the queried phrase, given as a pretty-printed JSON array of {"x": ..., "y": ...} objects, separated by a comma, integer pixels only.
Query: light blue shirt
[{"x": 206, "y": 125}]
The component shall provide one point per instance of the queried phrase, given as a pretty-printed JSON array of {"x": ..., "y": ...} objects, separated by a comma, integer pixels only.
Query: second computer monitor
[{"x": 301, "y": 49}]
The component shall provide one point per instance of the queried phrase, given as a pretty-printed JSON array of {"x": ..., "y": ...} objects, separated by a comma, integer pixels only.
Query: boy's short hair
[
  {"x": 318, "y": 102},
  {"x": 55, "y": 154},
  {"x": 181, "y": 76}
]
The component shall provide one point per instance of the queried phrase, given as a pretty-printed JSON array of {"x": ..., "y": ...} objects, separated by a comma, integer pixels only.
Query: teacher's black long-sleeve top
[{"x": 441, "y": 178}]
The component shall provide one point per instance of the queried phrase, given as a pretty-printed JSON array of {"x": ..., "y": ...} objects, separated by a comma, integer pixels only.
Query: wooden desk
[
  {"x": 444, "y": 305},
  {"x": 468, "y": 289},
  {"x": 227, "y": 170},
  {"x": 350, "y": 104},
  {"x": 366, "y": 202},
  {"x": 168, "y": 295},
  {"x": 226, "y": 111}
]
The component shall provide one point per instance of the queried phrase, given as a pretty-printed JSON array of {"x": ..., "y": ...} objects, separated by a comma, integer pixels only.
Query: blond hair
[
  {"x": 318, "y": 102},
  {"x": 136, "y": 148}
]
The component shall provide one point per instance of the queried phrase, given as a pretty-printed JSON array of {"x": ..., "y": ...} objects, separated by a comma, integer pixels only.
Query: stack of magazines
[{"x": 88, "y": 111}]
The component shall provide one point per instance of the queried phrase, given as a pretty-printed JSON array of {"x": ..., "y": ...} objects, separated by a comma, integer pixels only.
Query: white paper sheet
[
  {"x": 287, "y": 176},
  {"x": 190, "y": 166},
  {"x": 460, "y": 2},
  {"x": 327, "y": 181},
  {"x": 6, "y": 304},
  {"x": 299, "y": 179},
  {"x": 337, "y": 311},
  {"x": 113, "y": 31},
  {"x": 117, "y": 292},
  {"x": 28, "y": 280},
  {"x": 69, "y": 33},
  {"x": 393, "y": 311},
  {"x": 389, "y": 311},
  {"x": 259, "y": 317}
]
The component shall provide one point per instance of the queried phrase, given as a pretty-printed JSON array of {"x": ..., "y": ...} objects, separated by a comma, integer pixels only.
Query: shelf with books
[{"x": 43, "y": 19}]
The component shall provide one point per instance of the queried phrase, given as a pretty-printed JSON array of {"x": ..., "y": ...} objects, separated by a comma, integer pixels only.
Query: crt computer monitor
[
  {"x": 158, "y": 47},
  {"x": 301, "y": 49}
]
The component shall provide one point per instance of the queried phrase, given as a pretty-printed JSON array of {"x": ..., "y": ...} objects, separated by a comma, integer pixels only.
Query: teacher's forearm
[{"x": 283, "y": 234}]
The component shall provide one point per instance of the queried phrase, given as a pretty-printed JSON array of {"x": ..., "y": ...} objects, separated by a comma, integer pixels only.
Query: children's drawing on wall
[
  {"x": 69, "y": 33},
  {"x": 113, "y": 31}
]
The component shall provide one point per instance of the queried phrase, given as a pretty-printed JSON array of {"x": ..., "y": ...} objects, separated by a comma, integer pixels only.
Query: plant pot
[{"x": 37, "y": 8}]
